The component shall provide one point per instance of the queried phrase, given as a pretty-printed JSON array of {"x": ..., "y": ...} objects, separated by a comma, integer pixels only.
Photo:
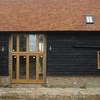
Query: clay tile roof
[{"x": 45, "y": 15}]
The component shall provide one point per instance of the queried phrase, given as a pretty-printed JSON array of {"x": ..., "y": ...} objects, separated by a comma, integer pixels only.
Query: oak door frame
[{"x": 11, "y": 53}]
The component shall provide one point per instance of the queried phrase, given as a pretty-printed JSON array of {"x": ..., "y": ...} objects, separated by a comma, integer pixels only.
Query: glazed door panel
[{"x": 28, "y": 57}]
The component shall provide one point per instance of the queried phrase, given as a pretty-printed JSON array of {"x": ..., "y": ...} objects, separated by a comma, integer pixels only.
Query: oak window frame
[
  {"x": 28, "y": 53},
  {"x": 98, "y": 59}
]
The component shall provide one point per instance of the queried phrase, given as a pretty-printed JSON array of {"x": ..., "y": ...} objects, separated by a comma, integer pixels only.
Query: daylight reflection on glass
[
  {"x": 41, "y": 45},
  {"x": 32, "y": 43}
]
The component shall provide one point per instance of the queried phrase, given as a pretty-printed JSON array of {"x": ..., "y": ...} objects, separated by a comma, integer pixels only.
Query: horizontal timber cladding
[
  {"x": 4, "y": 41},
  {"x": 72, "y": 53}
]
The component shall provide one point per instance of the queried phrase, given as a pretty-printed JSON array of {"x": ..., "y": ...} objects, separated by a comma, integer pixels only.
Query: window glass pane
[
  {"x": 22, "y": 43},
  {"x": 14, "y": 42},
  {"x": 89, "y": 19},
  {"x": 32, "y": 67},
  {"x": 14, "y": 65},
  {"x": 41, "y": 45},
  {"x": 32, "y": 43},
  {"x": 22, "y": 67},
  {"x": 40, "y": 67}
]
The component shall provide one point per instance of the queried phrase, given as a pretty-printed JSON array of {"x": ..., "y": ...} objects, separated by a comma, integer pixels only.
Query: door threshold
[{"x": 27, "y": 85}]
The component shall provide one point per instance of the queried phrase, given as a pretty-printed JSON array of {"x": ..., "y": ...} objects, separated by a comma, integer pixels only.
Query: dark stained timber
[
  {"x": 72, "y": 53},
  {"x": 4, "y": 42}
]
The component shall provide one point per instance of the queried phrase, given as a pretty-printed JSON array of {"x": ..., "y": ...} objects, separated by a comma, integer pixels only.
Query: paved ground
[{"x": 49, "y": 94}]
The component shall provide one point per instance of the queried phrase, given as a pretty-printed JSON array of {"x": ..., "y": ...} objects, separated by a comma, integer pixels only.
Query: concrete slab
[{"x": 49, "y": 93}]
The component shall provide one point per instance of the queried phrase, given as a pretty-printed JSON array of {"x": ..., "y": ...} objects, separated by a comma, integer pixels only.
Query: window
[
  {"x": 89, "y": 19},
  {"x": 41, "y": 45},
  {"x": 32, "y": 42},
  {"x": 22, "y": 38},
  {"x": 98, "y": 59},
  {"x": 28, "y": 58}
]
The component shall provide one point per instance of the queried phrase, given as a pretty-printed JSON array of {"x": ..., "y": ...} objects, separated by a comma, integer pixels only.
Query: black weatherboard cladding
[
  {"x": 4, "y": 54},
  {"x": 72, "y": 53}
]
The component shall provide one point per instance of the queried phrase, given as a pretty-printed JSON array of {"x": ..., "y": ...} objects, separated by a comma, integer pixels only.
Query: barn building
[{"x": 50, "y": 42}]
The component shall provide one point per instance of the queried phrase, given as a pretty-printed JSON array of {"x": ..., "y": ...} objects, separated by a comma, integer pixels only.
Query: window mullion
[{"x": 37, "y": 57}]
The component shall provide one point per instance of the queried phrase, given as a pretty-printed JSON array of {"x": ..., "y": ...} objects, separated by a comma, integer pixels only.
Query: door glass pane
[
  {"x": 40, "y": 67},
  {"x": 32, "y": 67},
  {"x": 22, "y": 43},
  {"x": 41, "y": 45},
  {"x": 14, "y": 65},
  {"x": 22, "y": 67},
  {"x": 32, "y": 42},
  {"x": 14, "y": 42}
]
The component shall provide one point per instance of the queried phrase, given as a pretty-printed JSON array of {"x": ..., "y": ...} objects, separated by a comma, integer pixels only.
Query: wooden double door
[{"x": 28, "y": 58}]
